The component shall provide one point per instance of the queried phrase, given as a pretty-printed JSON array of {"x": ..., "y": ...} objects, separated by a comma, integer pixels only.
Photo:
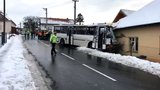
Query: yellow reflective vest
[{"x": 53, "y": 38}]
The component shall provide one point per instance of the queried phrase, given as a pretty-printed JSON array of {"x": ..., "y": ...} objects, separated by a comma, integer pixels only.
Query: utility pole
[
  {"x": 46, "y": 17},
  {"x": 20, "y": 27},
  {"x": 4, "y": 23},
  {"x": 75, "y": 10}
]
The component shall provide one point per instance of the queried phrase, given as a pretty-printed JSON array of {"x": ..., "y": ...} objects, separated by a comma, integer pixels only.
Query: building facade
[
  {"x": 9, "y": 24},
  {"x": 141, "y": 41},
  {"x": 139, "y": 32}
]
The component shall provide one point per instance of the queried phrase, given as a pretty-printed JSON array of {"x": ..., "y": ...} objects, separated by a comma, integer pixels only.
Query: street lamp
[
  {"x": 46, "y": 17},
  {"x": 4, "y": 24},
  {"x": 75, "y": 10}
]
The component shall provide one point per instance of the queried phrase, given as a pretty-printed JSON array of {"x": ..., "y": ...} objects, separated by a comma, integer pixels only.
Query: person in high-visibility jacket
[{"x": 53, "y": 41}]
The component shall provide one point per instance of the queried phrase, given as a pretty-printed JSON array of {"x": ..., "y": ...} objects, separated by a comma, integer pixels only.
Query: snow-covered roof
[
  {"x": 127, "y": 12},
  {"x": 7, "y": 18},
  {"x": 56, "y": 21},
  {"x": 147, "y": 15},
  {"x": 122, "y": 13},
  {"x": 1, "y": 16}
]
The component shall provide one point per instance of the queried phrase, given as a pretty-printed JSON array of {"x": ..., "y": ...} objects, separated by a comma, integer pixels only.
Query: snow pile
[
  {"x": 14, "y": 72},
  {"x": 147, "y": 66}
]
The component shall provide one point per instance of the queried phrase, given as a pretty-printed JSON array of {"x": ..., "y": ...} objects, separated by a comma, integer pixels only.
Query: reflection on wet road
[{"x": 74, "y": 70}]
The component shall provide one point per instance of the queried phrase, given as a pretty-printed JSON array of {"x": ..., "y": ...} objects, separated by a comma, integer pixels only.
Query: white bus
[{"x": 91, "y": 36}]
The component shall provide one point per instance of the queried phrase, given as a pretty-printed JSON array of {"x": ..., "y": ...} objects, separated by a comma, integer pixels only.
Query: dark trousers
[{"x": 53, "y": 48}]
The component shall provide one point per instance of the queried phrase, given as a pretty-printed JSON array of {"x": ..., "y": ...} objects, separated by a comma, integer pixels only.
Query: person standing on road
[
  {"x": 53, "y": 41},
  {"x": 28, "y": 34},
  {"x": 25, "y": 34}
]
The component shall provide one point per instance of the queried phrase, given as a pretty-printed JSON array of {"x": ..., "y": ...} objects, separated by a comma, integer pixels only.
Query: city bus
[{"x": 99, "y": 37}]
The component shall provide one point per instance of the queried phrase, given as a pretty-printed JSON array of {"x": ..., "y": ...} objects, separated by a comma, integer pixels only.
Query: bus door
[
  {"x": 101, "y": 38},
  {"x": 69, "y": 35}
]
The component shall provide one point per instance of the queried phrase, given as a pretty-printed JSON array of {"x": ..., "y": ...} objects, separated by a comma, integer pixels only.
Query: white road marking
[
  {"x": 68, "y": 56},
  {"x": 100, "y": 72},
  {"x": 85, "y": 65}
]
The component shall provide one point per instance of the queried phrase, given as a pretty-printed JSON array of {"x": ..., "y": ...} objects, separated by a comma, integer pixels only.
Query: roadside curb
[{"x": 42, "y": 79}]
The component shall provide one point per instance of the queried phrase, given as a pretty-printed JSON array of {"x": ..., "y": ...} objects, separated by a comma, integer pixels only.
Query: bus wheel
[
  {"x": 62, "y": 42},
  {"x": 89, "y": 44}
]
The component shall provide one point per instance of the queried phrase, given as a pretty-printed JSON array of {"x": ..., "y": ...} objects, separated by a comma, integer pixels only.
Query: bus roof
[{"x": 81, "y": 25}]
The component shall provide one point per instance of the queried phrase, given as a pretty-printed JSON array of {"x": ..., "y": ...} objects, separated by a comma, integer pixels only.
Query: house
[
  {"x": 139, "y": 32},
  {"x": 53, "y": 21},
  {"x": 9, "y": 24}
]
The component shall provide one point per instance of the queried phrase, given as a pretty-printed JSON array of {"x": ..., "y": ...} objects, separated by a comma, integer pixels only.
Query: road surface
[{"x": 74, "y": 70}]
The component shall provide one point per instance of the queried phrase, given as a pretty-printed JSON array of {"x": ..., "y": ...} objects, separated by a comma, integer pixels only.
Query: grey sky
[{"x": 94, "y": 11}]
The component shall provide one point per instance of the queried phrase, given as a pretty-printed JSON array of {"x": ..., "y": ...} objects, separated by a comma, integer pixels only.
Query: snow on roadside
[
  {"x": 14, "y": 72},
  {"x": 131, "y": 61}
]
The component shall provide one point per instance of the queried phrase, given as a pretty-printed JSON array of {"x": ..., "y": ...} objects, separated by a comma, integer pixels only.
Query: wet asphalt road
[{"x": 74, "y": 70}]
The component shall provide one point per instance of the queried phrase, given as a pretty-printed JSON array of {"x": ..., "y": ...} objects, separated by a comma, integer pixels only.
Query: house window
[{"x": 134, "y": 43}]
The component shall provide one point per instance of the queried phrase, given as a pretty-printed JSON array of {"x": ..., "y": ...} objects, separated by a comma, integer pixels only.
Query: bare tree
[{"x": 31, "y": 22}]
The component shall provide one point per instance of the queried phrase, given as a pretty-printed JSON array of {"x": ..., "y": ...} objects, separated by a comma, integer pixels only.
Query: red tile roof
[{"x": 59, "y": 19}]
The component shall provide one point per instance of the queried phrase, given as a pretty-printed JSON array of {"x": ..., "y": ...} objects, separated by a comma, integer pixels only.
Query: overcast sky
[{"x": 94, "y": 11}]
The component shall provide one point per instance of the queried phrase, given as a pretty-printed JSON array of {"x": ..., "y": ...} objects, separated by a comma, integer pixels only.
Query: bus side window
[
  {"x": 87, "y": 31},
  {"x": 57, "y": 29},
  {"x": 65, "y": 29},
  {"x": 74, "y": 31},
  {"x": 91, "y": 31},
  {"x": 83, "y": 31}
]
